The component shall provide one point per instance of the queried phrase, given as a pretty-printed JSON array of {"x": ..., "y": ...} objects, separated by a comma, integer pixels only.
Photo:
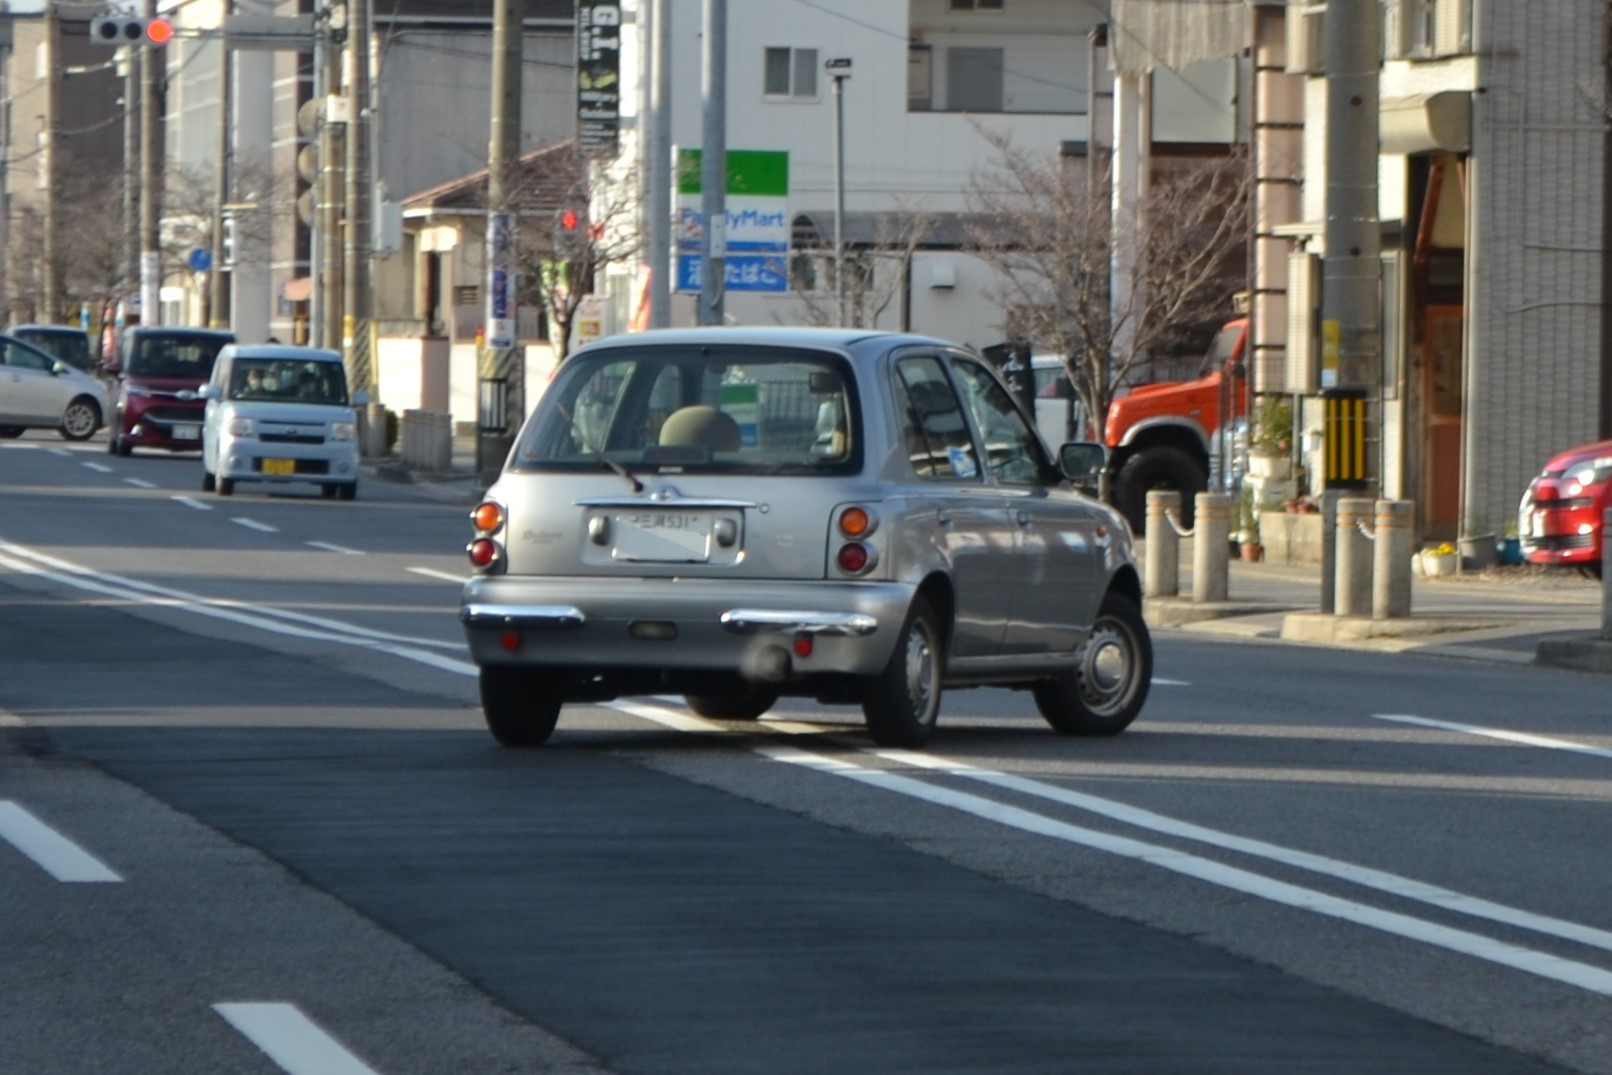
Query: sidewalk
[{"x": 1524, "y": 615}]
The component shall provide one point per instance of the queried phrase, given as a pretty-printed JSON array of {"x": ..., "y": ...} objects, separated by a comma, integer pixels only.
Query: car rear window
[
  {"x": 174, "y": 355},
  {"x": 729, "y": 410}
]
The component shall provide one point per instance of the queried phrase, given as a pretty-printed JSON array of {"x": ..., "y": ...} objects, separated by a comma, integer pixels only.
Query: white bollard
[
  {"x": 1391, "y": 564},
  {"x": 1354, "y": 558},
  {"x": 1211, "y": 547},
  {"x": 1163, "y": 544}
]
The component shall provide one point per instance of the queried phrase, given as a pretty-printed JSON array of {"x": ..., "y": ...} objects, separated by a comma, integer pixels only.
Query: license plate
[
  {"x": 280, "y": 466},
  {"x": 662, "y": 536},
  {"x": 187, "y": 432}
]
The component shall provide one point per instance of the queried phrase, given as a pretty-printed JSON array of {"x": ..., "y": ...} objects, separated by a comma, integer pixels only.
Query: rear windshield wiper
[{"x": 587, "y": 444}]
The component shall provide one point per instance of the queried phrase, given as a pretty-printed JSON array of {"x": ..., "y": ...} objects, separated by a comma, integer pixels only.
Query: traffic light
[
  {"x": 570, "y": 228},
  {"x": 125, "y": 30}
]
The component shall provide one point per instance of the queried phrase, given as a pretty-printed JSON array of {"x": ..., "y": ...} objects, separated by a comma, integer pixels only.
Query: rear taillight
[
  {"x": 854, "y": 525},
  {"x": 485, "y": 552}
]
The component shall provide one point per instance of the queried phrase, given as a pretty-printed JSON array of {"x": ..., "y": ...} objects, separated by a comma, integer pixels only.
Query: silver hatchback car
[{"x": 738, "y": 514}]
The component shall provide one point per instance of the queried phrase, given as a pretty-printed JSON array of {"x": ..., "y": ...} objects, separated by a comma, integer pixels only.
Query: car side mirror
[
  {"x": 211, "y": 391},
  {"x": 1082, "y": 462},
  {"x": 361, "y": 398}
]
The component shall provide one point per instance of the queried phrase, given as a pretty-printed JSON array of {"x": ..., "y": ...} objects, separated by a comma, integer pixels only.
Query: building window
[
  {"x": 790, "y": 73},
  {"x": 920, "y": 78},
  {"x": 976, "y": 5},
  {"x": 974, "y": 80}
]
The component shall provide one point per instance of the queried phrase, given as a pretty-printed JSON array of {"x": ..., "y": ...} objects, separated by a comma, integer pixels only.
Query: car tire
[
  {"x": 209, "y": 483},
  {"x": 1158, "y": 468},
  {"x": 10, "y": 432},
  {"x": 348, "y": 491},
  {"x": 80, "y": 420},
  {"x": 328, "y": 491},
  {"x": 732, "y": 706},
  {"x": 520, "y": 705},
  {"x": 902, "y": 703},
  {"x": 226, "y": 486},
  {"x": 1105, "y": 691},
  {"x": 118, "y": 446}
]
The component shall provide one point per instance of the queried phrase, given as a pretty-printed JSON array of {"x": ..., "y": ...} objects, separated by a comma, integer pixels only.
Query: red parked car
[{"x": 1559, "y": 519}]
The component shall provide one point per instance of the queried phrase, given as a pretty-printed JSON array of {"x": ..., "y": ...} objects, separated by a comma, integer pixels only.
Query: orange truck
[{"x": 1169, "y": 435}]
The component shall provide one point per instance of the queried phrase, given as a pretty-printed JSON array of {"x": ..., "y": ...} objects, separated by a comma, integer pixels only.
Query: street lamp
[{"x": 839, "y": 70}]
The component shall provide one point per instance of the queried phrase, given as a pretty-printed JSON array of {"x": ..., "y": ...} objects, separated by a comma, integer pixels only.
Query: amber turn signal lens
[
  {"x": 854, "y": 522},
  {"x": 487, "y": 516}
]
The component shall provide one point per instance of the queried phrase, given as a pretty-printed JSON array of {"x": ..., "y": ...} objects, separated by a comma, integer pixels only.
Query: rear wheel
[
  {"x": 521, "y": 705},
  {"x": 80, "y": 420},
  {"x": 902, "y": 703},
  {"x": 209, "y": 483},
  {"x": 226, "y": 486},
  {"x": 732, "y": 706},
  {"x": 1159, "y": 467},
  {"x": 10, "y": 432},
  {"x": 1105, "y": 691}
]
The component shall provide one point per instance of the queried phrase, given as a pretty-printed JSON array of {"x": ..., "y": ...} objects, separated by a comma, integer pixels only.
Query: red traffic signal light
[
  {"x": 124, "y": 30},
  {"x": 159, "y": 31},
  {"x": 569, "y": 219}
]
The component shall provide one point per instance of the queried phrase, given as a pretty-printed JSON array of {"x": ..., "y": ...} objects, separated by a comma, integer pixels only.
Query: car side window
[
  {"x": 933, "y": 429},
  {"x": 1012, "y": 448},
  {"x": 24, "y": 358}
]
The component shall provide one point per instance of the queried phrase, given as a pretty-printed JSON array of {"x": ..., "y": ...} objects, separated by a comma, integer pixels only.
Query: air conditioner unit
[{"x": 1306, "y": 45}]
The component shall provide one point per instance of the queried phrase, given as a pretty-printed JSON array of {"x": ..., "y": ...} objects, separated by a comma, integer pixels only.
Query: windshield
[
  {"x": 288, "y": 380},
  {"x": 734, "y": 409},
  {"x": 72, "y": 348},
  {"x": 175, "y": 355},
  {"x": 1220, "y": 352}
]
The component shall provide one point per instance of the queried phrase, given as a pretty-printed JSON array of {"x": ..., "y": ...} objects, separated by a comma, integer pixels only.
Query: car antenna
[{"x": 637, "y": 486}]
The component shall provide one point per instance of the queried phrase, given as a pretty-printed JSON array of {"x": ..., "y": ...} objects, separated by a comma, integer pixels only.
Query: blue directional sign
[{"x": 201, "y": 259}]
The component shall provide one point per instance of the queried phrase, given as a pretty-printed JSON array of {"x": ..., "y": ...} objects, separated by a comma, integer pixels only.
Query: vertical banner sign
[
  {"x": 757, "y": 231},
  {"x": 598, "y": 76},
  {"x": 500, "y": 281}
]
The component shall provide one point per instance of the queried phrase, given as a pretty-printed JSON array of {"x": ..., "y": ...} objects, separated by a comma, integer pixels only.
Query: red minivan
[
  {"x": 160, "y": 372},
  {"x": 1559, "y": 519}
]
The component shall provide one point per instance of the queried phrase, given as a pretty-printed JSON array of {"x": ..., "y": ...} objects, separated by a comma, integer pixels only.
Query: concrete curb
[{"x": 1590, "y": 654}]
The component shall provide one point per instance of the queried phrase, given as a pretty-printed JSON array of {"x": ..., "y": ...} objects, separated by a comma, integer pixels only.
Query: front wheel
[
  {"x": 226, "y": 486},
  {"x": 348, "y": 491},
  {"x": 80, "y": 420},
  {"x": 1158, "y": 467},
  {"x": 521, "y": 706},
  {"x": 1108, "y": 685},
  {"x": 10, "y": 432},
  {"x": 902, "y": 703},
  {"x": 209, "y": 482}
]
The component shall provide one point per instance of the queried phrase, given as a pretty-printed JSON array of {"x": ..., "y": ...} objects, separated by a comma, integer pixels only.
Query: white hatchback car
[
  {"x": 38, "y": 391},
  {"x": 277, "y": 413}
]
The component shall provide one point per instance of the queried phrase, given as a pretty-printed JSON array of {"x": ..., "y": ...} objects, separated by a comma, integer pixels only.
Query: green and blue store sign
[{"x": 757, "y": 204}]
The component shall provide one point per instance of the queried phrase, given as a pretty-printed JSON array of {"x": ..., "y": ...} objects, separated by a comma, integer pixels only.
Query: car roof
[
  {"x": 180, "y": 330},
  {"x": 837, "y": 339},
  {"x": 282, "y": 351},
  {"x": 63, "y": 330}
]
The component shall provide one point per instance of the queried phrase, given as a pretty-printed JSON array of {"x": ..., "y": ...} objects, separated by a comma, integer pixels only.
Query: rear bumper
[{"x": 744, "y": 628}]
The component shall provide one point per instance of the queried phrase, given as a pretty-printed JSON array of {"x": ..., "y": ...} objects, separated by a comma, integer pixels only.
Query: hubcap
[
  {"x": 78, "y": 419},
  {"x": 1107, "y": 669},
  {"x": 920, "y": 671}
]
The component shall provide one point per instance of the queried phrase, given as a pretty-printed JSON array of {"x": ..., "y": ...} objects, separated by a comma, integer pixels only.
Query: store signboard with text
[{"x": 757, "y": 221}]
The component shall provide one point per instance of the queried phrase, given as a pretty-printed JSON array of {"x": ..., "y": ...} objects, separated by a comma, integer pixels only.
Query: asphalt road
[{"x": 256, "y": 715}]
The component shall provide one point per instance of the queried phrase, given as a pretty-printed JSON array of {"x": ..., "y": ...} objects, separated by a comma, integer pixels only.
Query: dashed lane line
[
  {"x": 433, "y": 573},
  {"x": 140, "y": 483},
  {"x": 253, "y": 524},
  {"x": 342, "y": 549},
  {"x": 53, "y": 852},
  {"x": 1521, "y": 738},
  {"x": 289, "y": 1038},
  {"x": 192, "y": 502}
]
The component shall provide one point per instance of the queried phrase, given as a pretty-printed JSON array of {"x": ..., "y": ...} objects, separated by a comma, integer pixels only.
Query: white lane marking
[
  {"x": 292, "y": 1040},
  {"x": 253, "y": 524},
  {"x": 63, "y": 452},
  {"x": 265, "y": 618},
  {"x": 1541, "y": 964},
  {"x": 1157, "y": 682},
  {"x": 140, "y": 483},
  {"x": 55, "y": 853},
  {"x": 328, "y": 547},
  {"x": 433, "y": 573},
  {"x": 1522, "y": 738},
  {"x": 192, "y": 502},
  {"x": 99, "y": 468}
]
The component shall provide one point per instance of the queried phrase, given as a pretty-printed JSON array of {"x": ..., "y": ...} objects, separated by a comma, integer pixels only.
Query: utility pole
[
  {"x": 150, "y": 169},
  {"x": 659, "y": 172},
  {"x": 131, "y": 187},
  {"x": 50, "y": 279},
  {"x": 714, "y": 163},
  {"x": 328, "y": 285},
  {"x": 500, "y": 405},
  {"x": 1351, "y": 267},
  {"x": 218, "y": 303},
  {"x": 356, "y": 272},
  {"x": 839, "y": 70}
]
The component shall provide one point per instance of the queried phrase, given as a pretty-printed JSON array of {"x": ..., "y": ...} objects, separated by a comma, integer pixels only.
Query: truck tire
[{"x": 1158, "y": 468}]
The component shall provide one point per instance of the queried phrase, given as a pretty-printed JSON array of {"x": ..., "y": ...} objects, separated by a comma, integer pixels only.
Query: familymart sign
[{"x": 757, "y": 249}]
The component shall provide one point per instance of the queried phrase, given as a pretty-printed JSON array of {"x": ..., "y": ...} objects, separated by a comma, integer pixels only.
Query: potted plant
[
  {"x": 1270, "y": 451},
  {"x": 1247, "y": 535}
]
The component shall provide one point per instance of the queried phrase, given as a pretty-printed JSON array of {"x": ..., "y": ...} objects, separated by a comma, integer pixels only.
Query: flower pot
[
  {"x": 1479, "y": 551},
  {"x": 1438, "y": 563},
  {"x": 1276, "y": 467},
  {"x": 1253, "y": 552}
]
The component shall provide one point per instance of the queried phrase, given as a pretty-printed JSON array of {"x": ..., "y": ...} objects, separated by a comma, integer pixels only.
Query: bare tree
[
  {"x": 559, "y": 256},
  {"x": 1051, "y": 236},
  {"x": 875, "y": 270}
]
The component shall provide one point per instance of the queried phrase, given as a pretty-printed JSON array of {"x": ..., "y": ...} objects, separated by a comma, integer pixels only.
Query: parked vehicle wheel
[
  {"x": 902, "y": 703},
  {"x": 520, "y": 705},
  {"x": 80, "y": 420},
  {"x": 209, "y": 483},
  {"x": 1158, "y": 468},
  {"x": 328, "y": 491},
  {"x": 1106, "y": 690},
  {"x": 226, "y": 486},
  {"x": 348, "y": 491},
  {"x": 732, "y": 707},
  {"x": 10, "y": 432},
  {"x": 118, "y": 446}
]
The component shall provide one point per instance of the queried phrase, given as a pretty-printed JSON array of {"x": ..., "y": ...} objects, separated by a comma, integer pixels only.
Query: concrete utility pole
[
  {"x": 658, "y": 218},
  {"x": 500, "y": 405},
  {"x": 359, "y": 197},
  {"x": 328, "y": 285},
  {"x": 131, "y": 183},
  {"x": 839, "y": 70},
  {"x": 50, "y": 278},
  {"x": 714, "y": 163},
  {"x": 151, "y": 61},
  {"x": 218, "y": 304},
  {"x": 1351, "y": 267}
]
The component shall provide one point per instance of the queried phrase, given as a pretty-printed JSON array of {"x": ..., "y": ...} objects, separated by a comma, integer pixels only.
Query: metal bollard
[
  {"x": 1211, "y": 546},
  {"x": 1353, "y": 588},
  {"x": 1163, "y": 543},
  {"x": 1391, "y": 564}
]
